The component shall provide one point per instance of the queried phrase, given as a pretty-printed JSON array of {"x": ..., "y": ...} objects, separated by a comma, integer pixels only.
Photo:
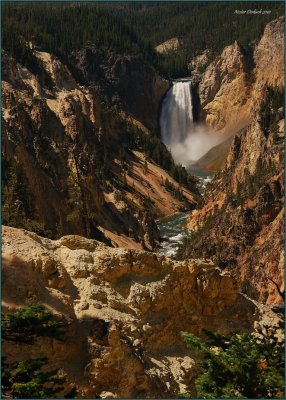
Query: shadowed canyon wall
[{"x": 74, "y": 155}]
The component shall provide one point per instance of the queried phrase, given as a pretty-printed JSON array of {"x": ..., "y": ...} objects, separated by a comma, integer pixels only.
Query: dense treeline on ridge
[
  {"x": 132, "y": 28},
  {"x": 186, "y": 19}
]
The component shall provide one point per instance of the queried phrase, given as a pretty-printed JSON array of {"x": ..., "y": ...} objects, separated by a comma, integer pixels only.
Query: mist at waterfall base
[
  {"x": 187, "y": 141},
  {"x": 193, "y": 147}
]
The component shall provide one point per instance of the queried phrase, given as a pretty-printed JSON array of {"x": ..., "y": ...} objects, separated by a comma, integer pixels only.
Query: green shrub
[
  {"x": 30, "y": 379},
  {"x": 238, "y": 365},
  {"x": 31, "y": 321}
]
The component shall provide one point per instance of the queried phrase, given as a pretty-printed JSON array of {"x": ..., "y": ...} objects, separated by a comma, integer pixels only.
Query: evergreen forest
[{"x": 132, "y": 28}]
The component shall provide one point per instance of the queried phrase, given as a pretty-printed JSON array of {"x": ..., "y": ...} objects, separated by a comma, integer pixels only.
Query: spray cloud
[{"x": 186, "y": 141}]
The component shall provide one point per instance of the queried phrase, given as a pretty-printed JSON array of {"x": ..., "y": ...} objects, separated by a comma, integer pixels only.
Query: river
[{"x": 173, "y": 229}]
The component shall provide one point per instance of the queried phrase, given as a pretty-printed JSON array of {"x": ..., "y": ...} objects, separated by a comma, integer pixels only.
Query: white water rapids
[
  {"x": 173, "y": 230},
  {"x": 187, "y": 141}
]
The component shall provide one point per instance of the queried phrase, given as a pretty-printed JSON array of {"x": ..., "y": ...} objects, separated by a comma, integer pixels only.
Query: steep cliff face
[
  {"x": 231, "y": 83},
  {"x": 224, "y": 90},
  {"x": 70, "y": 159},
  {"x": 199, "y": 62},
  {"x": 268, "y": 55},
  {"x": 127, "y": 81},
  {"x": 123, "y": 337},
  {"x": 241, "y": 222}
]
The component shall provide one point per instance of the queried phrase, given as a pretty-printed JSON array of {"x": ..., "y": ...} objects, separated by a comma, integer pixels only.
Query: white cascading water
[
  {"x": 176, "y": 118},
  {"x": 186, "y": 141}
]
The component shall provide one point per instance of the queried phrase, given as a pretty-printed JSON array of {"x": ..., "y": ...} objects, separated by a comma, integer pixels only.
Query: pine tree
[
  {"x": 75, "y": 198},
  {"x": 31, "y": 321},
  {"x": 145, "y": 168},
  {"x": 239, "y": 365},
  {"x": 18, "y": 204},
  {"x": 30, "y": 379}
]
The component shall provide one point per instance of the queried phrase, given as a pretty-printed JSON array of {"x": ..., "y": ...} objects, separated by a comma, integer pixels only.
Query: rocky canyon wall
[
  {"x": 70, "y": 164},
  {"x": 241, "y": 224},
  {"x": 129, "y": 84},
  {"x": 123, "y": 310},
  {"x": 232, "y": 83}
]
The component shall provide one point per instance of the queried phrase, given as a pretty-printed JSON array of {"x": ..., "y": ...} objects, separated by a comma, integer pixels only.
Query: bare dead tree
[{"x": 281, "y": 292}]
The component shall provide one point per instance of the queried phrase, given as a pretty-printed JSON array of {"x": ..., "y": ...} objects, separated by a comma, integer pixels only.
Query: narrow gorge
[{"x": 142, "y": 201}]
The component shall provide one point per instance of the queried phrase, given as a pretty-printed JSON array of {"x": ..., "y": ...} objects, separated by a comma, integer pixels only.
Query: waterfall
[
  {"x": 186, "y": 141},
  {"x": 176, "y": 120}
]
